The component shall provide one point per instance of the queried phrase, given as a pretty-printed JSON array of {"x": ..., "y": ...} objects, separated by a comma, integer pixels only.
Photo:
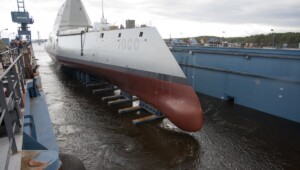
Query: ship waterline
[{"x": 171, "y": 95}]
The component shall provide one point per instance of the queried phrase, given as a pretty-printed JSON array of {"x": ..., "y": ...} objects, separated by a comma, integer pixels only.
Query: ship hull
[{"x": 154, "y": 77}]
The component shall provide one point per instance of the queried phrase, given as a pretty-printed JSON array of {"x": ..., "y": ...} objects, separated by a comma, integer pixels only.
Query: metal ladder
[{"x": 21, "y": 5}]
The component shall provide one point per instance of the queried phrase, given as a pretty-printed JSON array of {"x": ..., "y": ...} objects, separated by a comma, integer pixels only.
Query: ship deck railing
[{"x": 12, "y": 82}]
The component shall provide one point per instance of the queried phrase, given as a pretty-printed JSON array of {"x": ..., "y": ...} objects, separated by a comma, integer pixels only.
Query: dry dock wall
[{"x": 267, "y": 80}]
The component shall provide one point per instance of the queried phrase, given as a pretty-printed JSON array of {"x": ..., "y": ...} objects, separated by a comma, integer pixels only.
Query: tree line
[{"x": 289, "y": 39}]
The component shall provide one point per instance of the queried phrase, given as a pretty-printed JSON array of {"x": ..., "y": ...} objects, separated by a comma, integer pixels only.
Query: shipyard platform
[{"x": 27, "y": 139}]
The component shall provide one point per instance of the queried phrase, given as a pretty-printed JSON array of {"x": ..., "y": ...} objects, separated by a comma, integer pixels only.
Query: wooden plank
[
  {"x": 107, "y": 98},
  {"x": 95, "y": 84},
  {"x": 104, "y": 90},
  {"x": 121, "y": 101},
  {"x": 129, "y": 109},
  {"x": 146, "y": 119}
]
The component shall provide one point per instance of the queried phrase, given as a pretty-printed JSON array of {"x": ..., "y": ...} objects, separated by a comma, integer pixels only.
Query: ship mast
[
  {"x": 102, "y": 10},
  {"x": 103, "y": 20}
]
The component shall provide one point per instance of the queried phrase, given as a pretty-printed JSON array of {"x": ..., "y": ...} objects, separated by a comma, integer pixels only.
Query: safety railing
[{"x": 11, "y": 88}]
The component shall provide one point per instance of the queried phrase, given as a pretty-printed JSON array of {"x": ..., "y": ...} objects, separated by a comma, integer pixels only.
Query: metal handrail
[
  {"x": 7, "y": 51},
  {"x": 14, "y": 82},
  {"x": 10, "y": 67},
  {"x": 15, "y": 85},
  {"x": 2, "y": 115}
]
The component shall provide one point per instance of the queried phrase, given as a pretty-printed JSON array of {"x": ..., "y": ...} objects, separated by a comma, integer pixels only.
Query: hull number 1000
[{"x": 129, "y": 44}]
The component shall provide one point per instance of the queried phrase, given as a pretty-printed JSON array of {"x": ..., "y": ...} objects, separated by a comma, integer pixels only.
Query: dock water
[{"x": 233, "y": 137}]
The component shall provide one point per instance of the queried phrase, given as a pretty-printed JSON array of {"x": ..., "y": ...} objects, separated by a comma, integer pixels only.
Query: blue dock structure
[
  {"x": 27, "y": 138},
  {"x": 27, "y": 135},
  {"x": 267, "y": 80}
]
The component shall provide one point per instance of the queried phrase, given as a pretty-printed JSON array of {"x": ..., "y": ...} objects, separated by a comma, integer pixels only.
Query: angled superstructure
[{"x": 72, "y": 15}]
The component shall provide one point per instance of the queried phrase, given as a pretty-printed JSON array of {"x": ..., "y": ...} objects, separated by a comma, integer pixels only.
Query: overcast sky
[{"x": 172, "y": 18}]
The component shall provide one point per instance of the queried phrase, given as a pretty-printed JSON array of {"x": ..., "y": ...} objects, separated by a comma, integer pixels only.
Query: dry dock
[{"x": 233, "y": 137}]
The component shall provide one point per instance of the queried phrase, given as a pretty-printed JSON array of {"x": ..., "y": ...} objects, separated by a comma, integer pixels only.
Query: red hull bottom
[{"x": 178, "y": 102}]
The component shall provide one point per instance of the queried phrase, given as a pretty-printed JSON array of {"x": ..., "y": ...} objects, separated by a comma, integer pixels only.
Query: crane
[{"x": 22, "y": 17}]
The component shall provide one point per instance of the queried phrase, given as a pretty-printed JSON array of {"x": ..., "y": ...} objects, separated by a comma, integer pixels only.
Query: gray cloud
[
  {"x": 270, "y": 12},
  {"x": 283, "y": 14},
  {"x": 275, "y": 12}
]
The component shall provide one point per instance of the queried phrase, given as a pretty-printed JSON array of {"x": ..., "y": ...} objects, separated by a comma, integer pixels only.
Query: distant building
[
  {"x": 193, "y": 42},
  {"x": 178, "y": 42},
  {"x": 213, "y": 41}
]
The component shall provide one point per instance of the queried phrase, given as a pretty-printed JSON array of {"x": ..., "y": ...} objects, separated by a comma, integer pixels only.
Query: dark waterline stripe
[{"x": 153, "y": 75}]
